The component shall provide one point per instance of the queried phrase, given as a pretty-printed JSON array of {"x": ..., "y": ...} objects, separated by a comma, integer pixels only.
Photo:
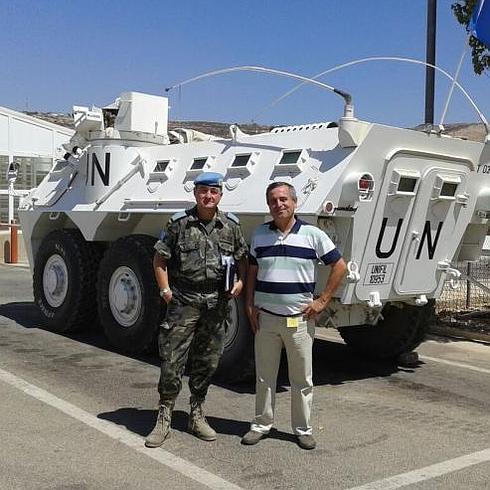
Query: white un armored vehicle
[{"x": 401, "y": 205}]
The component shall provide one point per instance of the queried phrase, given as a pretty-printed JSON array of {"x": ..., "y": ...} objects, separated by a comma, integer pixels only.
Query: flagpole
[{"x": 431, "y": 60}]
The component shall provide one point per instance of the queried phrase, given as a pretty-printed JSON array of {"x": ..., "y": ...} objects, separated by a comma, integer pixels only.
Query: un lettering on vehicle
[
  {"x": 378, "y": 273},
  {"x": 427, "y": 236},
  {"x": 96, "y": 171}
]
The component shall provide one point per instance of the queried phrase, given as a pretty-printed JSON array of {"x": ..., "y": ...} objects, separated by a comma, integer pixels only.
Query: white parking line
[
  {"x": 129, "y": 439},
  {"x": 456, "y": 364},
  {"x": 428, "y": 472}
]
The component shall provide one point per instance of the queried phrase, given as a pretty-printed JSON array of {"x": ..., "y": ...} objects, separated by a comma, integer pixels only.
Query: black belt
[
  {"x": 206, "y": 287},
  {"x": 282, "y": 316}
]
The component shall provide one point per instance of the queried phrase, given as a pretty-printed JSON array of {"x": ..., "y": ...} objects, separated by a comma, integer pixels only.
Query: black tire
[
  {"x": 400, "y": 331},
  {"x": 237, "y": 361},
  {"x": 65, "y": 272},
  {"x": 126, "y": 274}
]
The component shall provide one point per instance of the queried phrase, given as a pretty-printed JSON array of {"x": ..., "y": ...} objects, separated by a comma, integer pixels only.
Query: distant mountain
[
  {"x": 65, "y": 120},
  {"x": 467, "y": 131},
  {"x": 219, "y": 129},
  {"x": 470, "y": 131}
]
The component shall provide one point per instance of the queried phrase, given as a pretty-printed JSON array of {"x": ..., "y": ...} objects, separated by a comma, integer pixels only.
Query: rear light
[
  {"x": 328, "y": 207},
  {"x": 365, "y": 186},
  {"x": 356, "y": 187}
]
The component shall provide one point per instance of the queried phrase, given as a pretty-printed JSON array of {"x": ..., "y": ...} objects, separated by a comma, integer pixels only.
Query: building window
[{"x": 4, "y": 162}]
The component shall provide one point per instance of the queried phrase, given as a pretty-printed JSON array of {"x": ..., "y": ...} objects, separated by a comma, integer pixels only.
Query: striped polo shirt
[{"x": 286, "y": 265}]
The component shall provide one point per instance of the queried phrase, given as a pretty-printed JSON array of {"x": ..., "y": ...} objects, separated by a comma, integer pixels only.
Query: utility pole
[{"x": 431, "y": 59}]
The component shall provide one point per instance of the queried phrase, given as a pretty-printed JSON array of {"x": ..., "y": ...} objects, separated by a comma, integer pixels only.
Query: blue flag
[{"x": 480, "y": 22}]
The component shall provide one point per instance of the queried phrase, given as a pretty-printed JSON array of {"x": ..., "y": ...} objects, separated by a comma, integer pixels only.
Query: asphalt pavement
[{"x": 74, "y": 414}]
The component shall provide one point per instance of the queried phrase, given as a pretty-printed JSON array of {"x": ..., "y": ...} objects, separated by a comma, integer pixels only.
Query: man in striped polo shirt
[{"x": 281, "y": 308}]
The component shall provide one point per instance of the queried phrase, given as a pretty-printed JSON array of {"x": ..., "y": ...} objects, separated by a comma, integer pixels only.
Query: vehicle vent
[{"x": 305, "y": 127}]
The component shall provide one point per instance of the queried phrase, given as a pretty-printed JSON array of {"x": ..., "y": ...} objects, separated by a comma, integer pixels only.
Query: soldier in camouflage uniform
[{"x": 190, "y": 267}]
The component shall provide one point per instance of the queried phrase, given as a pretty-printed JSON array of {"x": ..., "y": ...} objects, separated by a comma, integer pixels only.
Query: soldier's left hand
[{"x": 237, "y": 288}]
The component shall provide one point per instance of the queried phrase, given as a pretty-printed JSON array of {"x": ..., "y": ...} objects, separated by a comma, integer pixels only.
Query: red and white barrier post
[{"x": 14, "y": 243}]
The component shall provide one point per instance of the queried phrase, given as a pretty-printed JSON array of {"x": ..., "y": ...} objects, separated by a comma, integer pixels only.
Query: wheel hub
[
  {"x": 55, "y": 280},
  {"x": 125, "y": 297}
]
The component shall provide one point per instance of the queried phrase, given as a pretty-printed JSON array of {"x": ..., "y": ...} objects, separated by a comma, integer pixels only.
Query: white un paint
[
  {"x": 131, "y": 440},
  {"x": 429, "y": 472}
]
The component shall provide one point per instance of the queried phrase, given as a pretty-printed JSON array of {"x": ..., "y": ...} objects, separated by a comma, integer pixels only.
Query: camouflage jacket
[{"x": 194, "y": 250}]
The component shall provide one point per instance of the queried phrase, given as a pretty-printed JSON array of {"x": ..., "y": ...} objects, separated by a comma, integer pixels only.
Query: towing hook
[
  {"x": 454, "y": 274},
  {"x": 353, "y": 272}
]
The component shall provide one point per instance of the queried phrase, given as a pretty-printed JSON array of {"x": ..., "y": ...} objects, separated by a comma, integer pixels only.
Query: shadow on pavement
[
  {"x": 141, "y": 421},
  {"x": 334, "y": 363},
  {"x": 25, "y": 313}
]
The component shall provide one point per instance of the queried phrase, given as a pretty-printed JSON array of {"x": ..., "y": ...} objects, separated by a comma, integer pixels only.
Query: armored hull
[{"x": 401, "y": 206}]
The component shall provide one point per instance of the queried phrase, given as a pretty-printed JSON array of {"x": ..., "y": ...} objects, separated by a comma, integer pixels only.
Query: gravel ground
[{"x": 477, "y": 321}]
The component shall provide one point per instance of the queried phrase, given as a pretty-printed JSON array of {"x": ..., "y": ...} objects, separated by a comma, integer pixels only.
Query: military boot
[
  {"x": 198, "y": 425},
  {"x": 162, "y": 427}
]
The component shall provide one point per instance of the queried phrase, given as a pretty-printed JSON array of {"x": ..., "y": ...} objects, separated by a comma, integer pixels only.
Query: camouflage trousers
[{"x": 196, "y": 332}]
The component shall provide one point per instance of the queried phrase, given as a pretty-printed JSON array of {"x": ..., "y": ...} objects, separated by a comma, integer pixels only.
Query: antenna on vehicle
[
  {"x": 348, "y": 105},
  {"x": 383, "y": 58}
]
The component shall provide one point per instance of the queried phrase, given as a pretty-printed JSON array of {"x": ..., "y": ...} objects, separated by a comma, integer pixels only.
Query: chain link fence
[{"x": 469, "y": 294}]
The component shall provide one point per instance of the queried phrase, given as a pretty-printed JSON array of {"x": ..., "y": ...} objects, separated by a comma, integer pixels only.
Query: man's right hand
[
  {"x": 167, "y": 296},
  {"x": 253, "y": 317}
]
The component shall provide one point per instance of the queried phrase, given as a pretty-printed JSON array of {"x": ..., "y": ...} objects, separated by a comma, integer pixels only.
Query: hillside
[
  {"x": 470, "y": 131},
  {"x": 209, "y": 127}
]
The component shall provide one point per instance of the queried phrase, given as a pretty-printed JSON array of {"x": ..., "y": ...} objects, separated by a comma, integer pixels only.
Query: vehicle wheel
[
  {"x": 401, "y": 330},
  {"x": 65, "y": 272},
  {"x": 127, "y": 294},
  {"x": 237, "y": 361}
]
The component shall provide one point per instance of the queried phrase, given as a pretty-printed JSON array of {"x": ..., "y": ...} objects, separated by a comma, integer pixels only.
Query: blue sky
[{"x": 56, "y": 54}]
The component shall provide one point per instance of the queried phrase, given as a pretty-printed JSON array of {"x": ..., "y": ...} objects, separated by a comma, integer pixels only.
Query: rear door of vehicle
[
  {"x": 417, "y": 212},
  {"x": 432, "y": 230}
]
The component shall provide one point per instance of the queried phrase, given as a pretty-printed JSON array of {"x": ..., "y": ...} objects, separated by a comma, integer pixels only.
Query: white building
[{"x": 33, "y": 144}]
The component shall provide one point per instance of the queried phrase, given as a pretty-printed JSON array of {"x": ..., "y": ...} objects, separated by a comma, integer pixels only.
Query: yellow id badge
[{"x": 293, "y": 321}]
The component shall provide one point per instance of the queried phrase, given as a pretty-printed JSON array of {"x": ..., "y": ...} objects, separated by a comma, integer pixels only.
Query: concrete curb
[
  {"x": 21, "y": 265},
  {"x": 445, "y": 331}
]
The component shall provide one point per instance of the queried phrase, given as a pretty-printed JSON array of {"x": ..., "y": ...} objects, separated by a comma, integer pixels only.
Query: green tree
[{"x": 480, "y": 54}]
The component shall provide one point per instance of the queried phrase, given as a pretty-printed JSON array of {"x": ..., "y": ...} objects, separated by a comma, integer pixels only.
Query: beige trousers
[{"x": 273, "y": 334}]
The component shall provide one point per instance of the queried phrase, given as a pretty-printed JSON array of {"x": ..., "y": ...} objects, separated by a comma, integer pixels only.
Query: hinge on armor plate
[{"x": 374, "y": 300}]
